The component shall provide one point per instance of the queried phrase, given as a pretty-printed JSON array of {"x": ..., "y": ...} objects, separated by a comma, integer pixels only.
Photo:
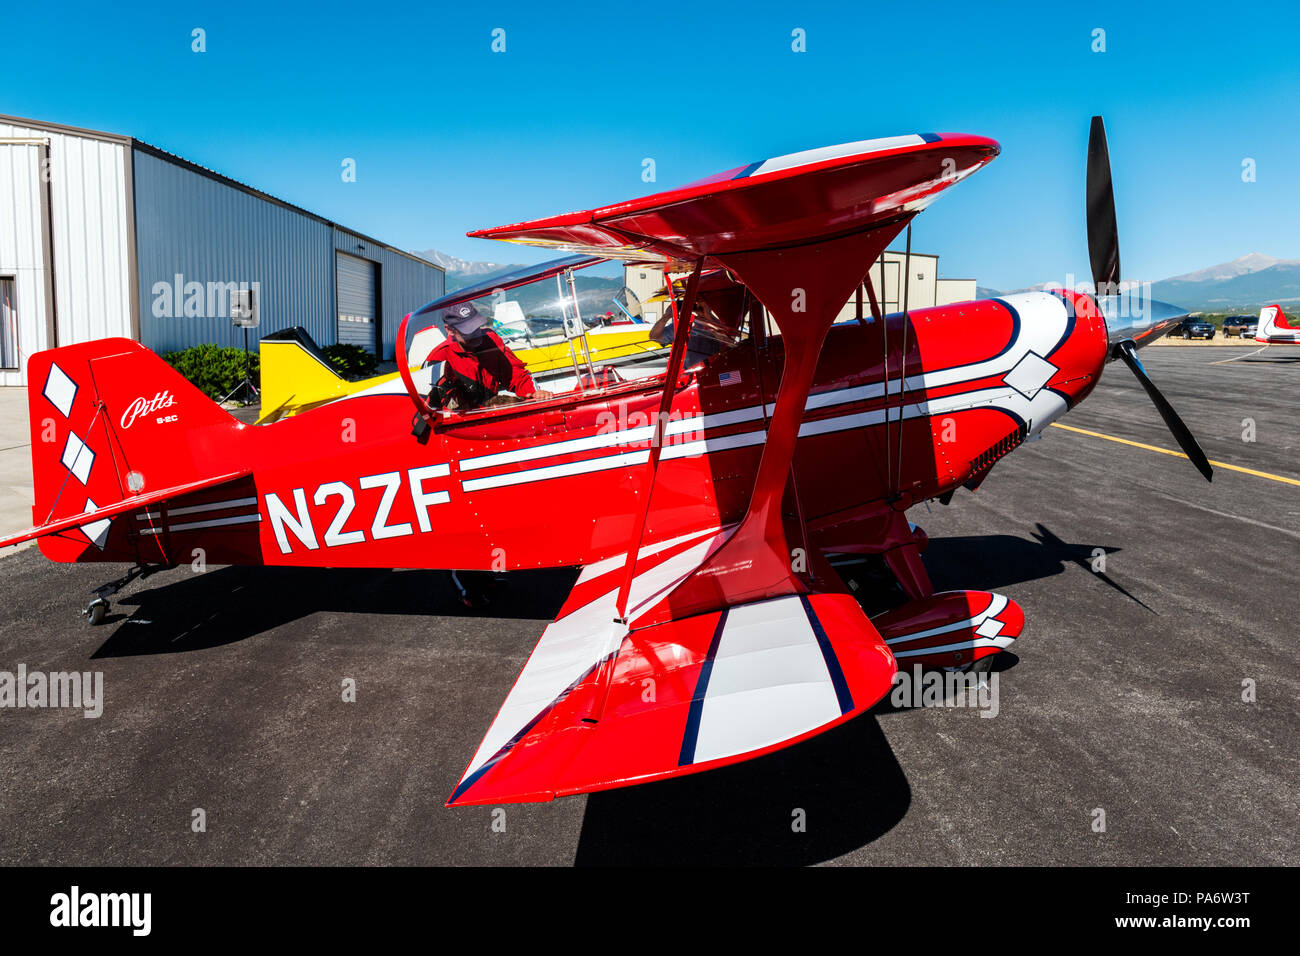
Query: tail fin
[
  {"x": 111, "y": 421},
  {"x": 296, "y": 375},
  {"x": 1274, "y": 326}
]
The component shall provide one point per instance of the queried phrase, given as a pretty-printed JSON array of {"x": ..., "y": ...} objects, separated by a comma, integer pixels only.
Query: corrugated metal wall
[
  {"x": 207, "y": 233},
  {"x": 90, "y": 229},
  {"x": 212, "y": 233}
]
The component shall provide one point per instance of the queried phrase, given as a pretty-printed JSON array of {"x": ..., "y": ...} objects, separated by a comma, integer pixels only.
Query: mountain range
[
  {"x": 1245, "y": 284},
  {"x": 463, "y": 271},
  {"x": 539, "y": 299}
]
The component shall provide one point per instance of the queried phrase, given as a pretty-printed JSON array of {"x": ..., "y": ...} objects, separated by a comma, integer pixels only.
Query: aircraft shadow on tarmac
[
  {"x": 196, "y": 611},
  {"x": 847, "y": 783}
]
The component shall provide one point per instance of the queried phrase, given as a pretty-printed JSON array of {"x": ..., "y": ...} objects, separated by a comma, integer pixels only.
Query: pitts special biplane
[{"x": 707, "y": 625}]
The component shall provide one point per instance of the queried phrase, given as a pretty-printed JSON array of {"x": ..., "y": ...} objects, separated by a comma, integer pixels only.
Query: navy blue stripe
[
  {"x": 749, "y": 170},
  {"x": 1015, "y": 328},
  {"x": 692, "y": 734},
  {"x": 522, "y": 733},
  {"x": 832, "y": 662},
  {"x": 930, "y": 137}
]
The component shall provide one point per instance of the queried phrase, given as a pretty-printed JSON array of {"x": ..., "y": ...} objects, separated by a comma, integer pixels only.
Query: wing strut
[
  {"x": 878, "y": 314},
  {"x": 681, "y": 333},
  {"x": 902, "y": 360},
  {"x": 803, "y": 287}
]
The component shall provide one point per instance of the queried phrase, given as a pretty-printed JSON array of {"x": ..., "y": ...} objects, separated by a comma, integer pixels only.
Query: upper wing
[
  {"x": 597, "y": 706},
  {"x": 788, "y": 199}
]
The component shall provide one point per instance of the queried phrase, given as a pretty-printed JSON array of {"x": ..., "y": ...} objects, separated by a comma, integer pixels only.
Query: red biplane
[{"x": 707, "y": 625}]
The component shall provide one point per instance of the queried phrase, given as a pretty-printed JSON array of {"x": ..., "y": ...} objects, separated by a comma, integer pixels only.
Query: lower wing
[{"x": 598, "y": 706}]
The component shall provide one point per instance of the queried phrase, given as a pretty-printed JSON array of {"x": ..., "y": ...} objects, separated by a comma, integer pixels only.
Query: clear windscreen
[{"x": 536, "y": 313}]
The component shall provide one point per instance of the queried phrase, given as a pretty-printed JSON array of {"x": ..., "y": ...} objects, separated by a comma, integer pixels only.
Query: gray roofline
[
  {"x": 61, "y": 128},
  {"x": 134, "y": 144}
]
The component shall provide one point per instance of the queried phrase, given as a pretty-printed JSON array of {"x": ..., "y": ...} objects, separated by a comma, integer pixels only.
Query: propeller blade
[
  {"x": 1182, "y": 434},
  {"x": 1103, "y": 233}
]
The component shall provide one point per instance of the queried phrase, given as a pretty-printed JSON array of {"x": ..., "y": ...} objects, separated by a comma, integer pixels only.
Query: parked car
[
  {"x": 1248, "y": 331},
  {"x": 1193, "y": 328},
  {"x": 1236, "y": 324}
]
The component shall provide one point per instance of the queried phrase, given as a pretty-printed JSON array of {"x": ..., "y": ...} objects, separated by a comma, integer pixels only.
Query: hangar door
[{"x": 357, "y": 293}]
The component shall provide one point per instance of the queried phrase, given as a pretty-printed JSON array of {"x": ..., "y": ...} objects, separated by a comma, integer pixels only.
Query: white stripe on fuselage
[{"x": 1042, "y": 327}]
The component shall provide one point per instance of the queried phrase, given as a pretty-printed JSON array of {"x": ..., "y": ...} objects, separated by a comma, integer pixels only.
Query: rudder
[{"x": 111, "y": 420}]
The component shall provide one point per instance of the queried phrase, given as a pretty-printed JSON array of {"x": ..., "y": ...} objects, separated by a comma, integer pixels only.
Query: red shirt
[{"x": 487, "y": 360}]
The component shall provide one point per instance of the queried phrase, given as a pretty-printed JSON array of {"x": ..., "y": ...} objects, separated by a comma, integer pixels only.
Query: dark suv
[{"x": 1193, "y": 328}]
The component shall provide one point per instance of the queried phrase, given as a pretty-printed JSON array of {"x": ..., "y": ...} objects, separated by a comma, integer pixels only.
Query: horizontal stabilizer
[{"x": 96, "y": 516}]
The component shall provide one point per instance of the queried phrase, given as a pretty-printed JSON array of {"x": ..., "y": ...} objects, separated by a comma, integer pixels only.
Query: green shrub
[
  {"x": 214, "y": 370},
  {"x": 351, "y": 361}
]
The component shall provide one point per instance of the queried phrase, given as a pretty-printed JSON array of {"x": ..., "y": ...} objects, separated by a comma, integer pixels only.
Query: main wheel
[{"x": 96, "y": 611}]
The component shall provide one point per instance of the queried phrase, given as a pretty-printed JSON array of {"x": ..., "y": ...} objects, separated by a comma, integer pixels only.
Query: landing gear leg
[
  {"x": 98, "y": 607},
  {"x": 905, "y": 562},
  {"x": 474, "y": 588}
]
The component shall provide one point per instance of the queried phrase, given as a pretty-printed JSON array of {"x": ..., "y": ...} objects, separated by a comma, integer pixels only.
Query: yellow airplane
[{"x": 297, "y": 376}]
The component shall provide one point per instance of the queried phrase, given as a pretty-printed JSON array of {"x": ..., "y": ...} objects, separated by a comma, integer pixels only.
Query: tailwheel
[{"x": 97, "y": 610}]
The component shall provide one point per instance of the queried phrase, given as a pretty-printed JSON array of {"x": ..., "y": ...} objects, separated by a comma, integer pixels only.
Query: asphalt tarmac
[{"x": 1124, "y": 695}]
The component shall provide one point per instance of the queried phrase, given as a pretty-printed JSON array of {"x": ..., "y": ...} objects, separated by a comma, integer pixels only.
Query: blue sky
[{"x": 449, "y": 136}]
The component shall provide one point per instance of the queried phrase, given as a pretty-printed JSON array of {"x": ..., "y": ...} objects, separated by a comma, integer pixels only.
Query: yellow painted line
[{"x": 1179, "y": 454}]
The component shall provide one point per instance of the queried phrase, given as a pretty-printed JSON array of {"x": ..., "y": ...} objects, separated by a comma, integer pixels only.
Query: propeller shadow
[{"x": 977, "y": 562}]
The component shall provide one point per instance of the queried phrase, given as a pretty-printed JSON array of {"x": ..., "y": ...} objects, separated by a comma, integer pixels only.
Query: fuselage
[{"x": 555, "y": 483}]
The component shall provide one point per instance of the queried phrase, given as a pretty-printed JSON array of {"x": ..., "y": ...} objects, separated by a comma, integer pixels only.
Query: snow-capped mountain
[
  {"x": 1244, "y": 284},
  {"x": 463, "y": 269}
]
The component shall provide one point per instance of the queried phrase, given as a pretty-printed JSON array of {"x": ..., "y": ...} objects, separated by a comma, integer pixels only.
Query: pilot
[
  {"x": 479, "y": 366},
  {"x": 704, "y": 341}
]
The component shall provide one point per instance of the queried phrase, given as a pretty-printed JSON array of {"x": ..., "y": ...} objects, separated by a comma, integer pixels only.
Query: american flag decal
[{"x": 729, "y": 378}]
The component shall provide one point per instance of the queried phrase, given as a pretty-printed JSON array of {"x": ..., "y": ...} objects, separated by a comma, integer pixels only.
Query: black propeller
[
  {"x": 1186, "y": 441},
  {"x": 1103, "y": 252},
  {"x": 1103, "y": 233}
]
